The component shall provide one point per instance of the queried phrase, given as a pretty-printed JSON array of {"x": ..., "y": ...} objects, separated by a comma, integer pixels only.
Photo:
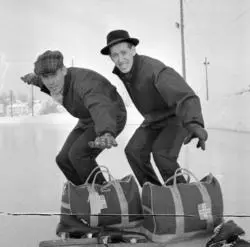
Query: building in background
[{"x": 17, "y": 109}]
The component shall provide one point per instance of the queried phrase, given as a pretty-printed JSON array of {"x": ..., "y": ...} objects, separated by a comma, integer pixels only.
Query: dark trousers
[
  {"x": 76, "y": 159},
  {"x": 162, "y": 140}
]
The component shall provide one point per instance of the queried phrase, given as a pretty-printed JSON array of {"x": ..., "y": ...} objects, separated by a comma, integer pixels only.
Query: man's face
[
  {"x": 122, "y": 54},
  {"x": 54, "y": 82}
]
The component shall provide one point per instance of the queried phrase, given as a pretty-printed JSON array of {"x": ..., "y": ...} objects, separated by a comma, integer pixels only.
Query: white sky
[{"x": 216, "y": 29}]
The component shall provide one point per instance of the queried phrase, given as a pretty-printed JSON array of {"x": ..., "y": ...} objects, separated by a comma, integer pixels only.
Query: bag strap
[
  {"x": 111, "y": 178},
  {"x": 183, "y": 171},
  {"x": 180, "y": 223},
  {"x": 205, "y": 209},
  {"x": 178, "y": 175},
  {"x": 123, "y": 203},
  {"x": 179, "y": 210},
  {"x": 102, "y": 168},
  {"x": 120, "y": 194}
]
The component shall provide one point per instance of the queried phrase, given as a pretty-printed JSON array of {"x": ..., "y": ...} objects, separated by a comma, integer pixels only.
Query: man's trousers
[{"x": 163, "y": 140}]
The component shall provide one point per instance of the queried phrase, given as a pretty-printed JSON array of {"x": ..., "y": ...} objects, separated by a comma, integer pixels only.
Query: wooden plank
[{"x": 195, "y": 242}]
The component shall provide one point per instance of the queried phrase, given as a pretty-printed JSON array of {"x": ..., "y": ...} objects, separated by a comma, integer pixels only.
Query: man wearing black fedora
[{"x": 171, "y": 110}]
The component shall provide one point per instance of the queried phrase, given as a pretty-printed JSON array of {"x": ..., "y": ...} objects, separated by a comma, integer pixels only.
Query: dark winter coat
[
  {"x": 90, "y": 97},
  {"x": 159, "y": 92}
]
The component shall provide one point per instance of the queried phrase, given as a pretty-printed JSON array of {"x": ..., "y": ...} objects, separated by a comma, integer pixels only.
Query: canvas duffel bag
[
  {"x": 104, "y": 205},
  {"x": 181, "y": 210}
]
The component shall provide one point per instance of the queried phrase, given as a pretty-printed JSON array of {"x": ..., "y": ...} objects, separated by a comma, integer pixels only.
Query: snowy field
[{"x": 31, "y": 182}]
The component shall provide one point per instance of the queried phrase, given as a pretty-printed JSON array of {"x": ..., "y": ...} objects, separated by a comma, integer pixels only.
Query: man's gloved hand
[
  {"x": 196, "y": 131},
  {"x": 32, "y": 79},
  {"x": 104, "y": 141}
]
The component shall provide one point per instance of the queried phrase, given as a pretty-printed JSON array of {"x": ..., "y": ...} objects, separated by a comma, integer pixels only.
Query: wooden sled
[{"x": 199, "y": 241}]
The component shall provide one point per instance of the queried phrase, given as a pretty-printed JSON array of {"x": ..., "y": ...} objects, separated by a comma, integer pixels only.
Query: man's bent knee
[
  {"x": 132, "y": 151},
  {"x": 61, "y": 159},
  {"x": 128, "y": 150}
]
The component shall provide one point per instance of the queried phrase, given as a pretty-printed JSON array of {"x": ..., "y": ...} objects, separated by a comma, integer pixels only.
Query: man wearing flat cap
[
  {"x": 171, "y": 110},
  {"x": 92, "y": 99}
]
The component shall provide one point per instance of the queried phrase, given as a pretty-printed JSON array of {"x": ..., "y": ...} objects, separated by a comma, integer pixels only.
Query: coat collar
[
  {"x": 130, "y": 75},
  {"x": 67, "y": 80}
]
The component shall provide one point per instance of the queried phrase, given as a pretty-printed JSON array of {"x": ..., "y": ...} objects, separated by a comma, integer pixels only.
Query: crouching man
[
  {"x": 171, "y": 109},
  {"x": 92, "y": 99}
]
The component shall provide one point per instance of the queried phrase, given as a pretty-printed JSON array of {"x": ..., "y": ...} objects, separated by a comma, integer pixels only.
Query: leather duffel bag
[{"x": 180, "y": 211}]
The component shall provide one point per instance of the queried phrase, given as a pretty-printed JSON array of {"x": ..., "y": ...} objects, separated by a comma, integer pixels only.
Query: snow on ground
[
  {"x": 53, "y": 118},
  {"x": 231, "y": 113},
  {"x": 30, "y": 181}
]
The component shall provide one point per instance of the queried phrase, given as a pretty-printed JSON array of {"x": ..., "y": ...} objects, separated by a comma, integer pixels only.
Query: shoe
[{"x": 225, "y": 233}]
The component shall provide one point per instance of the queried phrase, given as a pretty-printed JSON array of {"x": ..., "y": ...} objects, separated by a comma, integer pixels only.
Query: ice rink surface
[{"x": 30, "y": 181}]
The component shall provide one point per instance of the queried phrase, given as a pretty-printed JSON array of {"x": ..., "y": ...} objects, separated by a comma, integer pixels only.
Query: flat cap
[{"x": 48, "y": 63}]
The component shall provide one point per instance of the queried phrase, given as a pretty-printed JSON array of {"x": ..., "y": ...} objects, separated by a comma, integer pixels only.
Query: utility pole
[
  {"x": 182, "y": 40},
  {"x": 32, "y": 100},
  {"x": 11, "y": 103},
  {"x": 206, "y": 63},
  {"x": 183, "y": 59},
  {"x": 72, "y": 62}
]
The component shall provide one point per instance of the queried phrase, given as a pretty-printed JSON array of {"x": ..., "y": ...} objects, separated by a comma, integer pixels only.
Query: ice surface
[{"x": 31, "y": 182}]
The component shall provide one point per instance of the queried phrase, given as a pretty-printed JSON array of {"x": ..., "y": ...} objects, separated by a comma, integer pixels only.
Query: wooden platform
[{"x": 198, "y": 241}]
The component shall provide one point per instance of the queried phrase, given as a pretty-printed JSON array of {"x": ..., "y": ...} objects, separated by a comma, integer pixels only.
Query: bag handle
[
  {"x": 101, "y": 167},
  {"x": 178, "y": 175},
  {"x": 180, "y": 172},
  {"x": 94, "y": 179}
]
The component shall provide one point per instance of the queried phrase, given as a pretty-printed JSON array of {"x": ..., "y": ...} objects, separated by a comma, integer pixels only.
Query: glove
[
  {"x": 104, "y": 141},
  {"x": 32, "y": 79},
  {"x": 196, "y": 131}
]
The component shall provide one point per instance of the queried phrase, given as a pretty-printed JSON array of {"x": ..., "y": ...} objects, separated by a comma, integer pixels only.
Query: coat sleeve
[
  {"x": 36, "y": 81},
  {"x": 179, "y": 95},
  {"x": 44, "y": 89},
  {"x": 102, "y": 109}
]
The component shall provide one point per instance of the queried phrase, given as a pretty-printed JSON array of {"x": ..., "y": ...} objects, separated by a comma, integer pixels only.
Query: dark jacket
[
  {"x": 159, "y": 92},
  {"x": 90, "y": 97}
]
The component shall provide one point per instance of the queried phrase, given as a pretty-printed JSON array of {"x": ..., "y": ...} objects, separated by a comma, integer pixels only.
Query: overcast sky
[{"x": 216, "y": 29}]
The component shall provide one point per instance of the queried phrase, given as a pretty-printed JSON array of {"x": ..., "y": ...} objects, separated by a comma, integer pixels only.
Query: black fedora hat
[{"x": 118, "y": 36}]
